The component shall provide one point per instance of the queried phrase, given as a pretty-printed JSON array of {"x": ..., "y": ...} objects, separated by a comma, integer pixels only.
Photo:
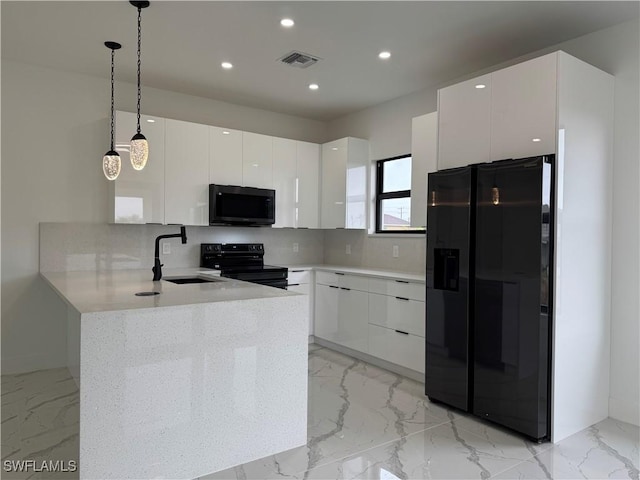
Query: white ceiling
[{"x": 183, "y": 44}]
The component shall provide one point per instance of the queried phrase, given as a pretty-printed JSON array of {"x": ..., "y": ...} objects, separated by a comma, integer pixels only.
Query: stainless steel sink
[{"x": 189, "y": 280}]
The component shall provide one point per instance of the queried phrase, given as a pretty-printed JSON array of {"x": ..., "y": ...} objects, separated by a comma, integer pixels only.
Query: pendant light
[
  {"x": 139, "y": 146},
  {"x": 111, "y": 162}
]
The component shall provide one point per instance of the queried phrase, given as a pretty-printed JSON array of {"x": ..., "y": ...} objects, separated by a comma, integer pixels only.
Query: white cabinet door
[
  {"x": 424, "y": 153},
  {"x": 257, "y": 160},
  {"x": 308, "y": 186},
  {"x": 342, "y": 316},
  {"x": 402, "y": 349},
  {"x": 356, "y": 188},
  {"x": 334, "y": 184},
  {"x": 225, "y": 156},
  {"x": 464, "y": 122},
  {"x": 138, "y": 195},
  {"x": 186, "y": 173},
  {"x": 326, "y": 312},
  {"x": 523, "y": 109},
  {"x": 284, "y": 181}
]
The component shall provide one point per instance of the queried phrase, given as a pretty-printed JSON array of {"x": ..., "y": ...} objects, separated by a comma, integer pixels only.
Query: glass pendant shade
[
  {"x": 111, "y": 165},
  {"x": 139, "y": 151}
]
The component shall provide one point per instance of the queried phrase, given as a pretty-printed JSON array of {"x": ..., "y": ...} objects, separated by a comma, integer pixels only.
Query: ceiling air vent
[{"x": 299, "y": 59}]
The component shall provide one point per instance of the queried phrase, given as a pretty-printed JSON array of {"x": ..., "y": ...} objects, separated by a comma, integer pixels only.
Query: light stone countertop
[
  {"x": 387, "y": 274},
  {"x": 114, "y": 290}
]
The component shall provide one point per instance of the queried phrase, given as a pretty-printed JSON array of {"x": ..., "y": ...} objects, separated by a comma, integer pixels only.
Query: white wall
[
  {"x": 54, "y": 134},
  {"x": 616, "y": 51}
]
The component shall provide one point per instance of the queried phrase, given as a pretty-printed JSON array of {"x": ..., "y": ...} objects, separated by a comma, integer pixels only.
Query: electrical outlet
[
  {"x": 348, "y": 250},
  {"x": 396, "y": 251},
  {"x": 166, "y": 248},
  {"x": 296, "y": 248}
]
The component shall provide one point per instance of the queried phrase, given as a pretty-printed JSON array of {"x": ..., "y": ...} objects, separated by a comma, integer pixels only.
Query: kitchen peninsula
[{"x": 195, "y": 379}]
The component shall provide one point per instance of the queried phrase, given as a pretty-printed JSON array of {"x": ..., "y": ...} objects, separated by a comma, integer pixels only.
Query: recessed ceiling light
[
  {"x": 151, "y": 120},
  {"x": 384, "y": 55},
  {"x": 287, "y": 22},
  {"x": 225, "y": 132},
  {"x": 535, "y": 140},
  {"x": 226, "y": 65},
  {"x": 254, "y": 164},
  {"x": 481, "y": 85},
  {"x": 334, "y": 148},
  {"x": 314, "y": 86}
]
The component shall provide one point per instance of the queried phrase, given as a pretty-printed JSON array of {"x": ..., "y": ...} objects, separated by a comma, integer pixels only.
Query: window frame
[{"x": 380, "y": 196}]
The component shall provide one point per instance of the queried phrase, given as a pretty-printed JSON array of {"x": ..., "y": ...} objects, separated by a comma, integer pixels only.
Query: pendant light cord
[
  {"x": 113, "y": 52},
  {"x": 139, "y": 41}
]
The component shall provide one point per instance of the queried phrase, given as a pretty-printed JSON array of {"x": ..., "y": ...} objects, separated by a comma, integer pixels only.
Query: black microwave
[{"x": 231, "y": 204}]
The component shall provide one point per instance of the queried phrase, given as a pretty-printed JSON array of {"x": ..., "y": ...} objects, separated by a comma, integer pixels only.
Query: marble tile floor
[{"x": 364, "y": 423}]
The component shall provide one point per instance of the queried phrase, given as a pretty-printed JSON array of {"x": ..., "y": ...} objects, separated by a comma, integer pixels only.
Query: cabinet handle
[
  {"x": 333, "y": 286},
  {"x": 403, "y": 298},
  {"x": 404, "y": 333},
  {"x": 344, "y": 288},
  {"x": 338, "y": 273},
  {"x": 402, "y": 281},
  {"x": 296, "y": 271},
  {"x": 293, "y": 284}
]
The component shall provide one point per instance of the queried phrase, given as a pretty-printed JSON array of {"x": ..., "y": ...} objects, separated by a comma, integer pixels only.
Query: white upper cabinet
[
  {"x": 424, "y": 153},
  {"x": 257, "y": 160},
  {"x": 187, "y": 195},
  {"x": 344, "y": 183},
  {"x": 523, "y": 109},
  {"x": 308, "y": 185},
  {"x": 225, "y": 156},
  {"x": 512, "y": 116},
  {"x": 137, "y": 196},
  {"x": 284, "y": 181},
  {"x": 464, "y": 122}
]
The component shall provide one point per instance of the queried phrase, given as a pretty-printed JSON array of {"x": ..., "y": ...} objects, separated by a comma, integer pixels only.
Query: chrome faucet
[{"x": 157, "y": 267}]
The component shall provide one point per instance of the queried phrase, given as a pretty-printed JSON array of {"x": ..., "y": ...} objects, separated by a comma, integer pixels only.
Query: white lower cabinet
[
  {"x": 299, "y": 281},
  {"x": 400, "y": 348},
  {"x": 342, "y": 316},
  {"x": 384, "y": 318},
  {"x": 398, "y": 313}
]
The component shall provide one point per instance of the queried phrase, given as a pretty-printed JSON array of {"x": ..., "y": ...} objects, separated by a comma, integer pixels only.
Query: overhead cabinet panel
[
  {"x": 137, "y": 196},
  {"x": 523, "y": 109},
  {"x": 225, "y": 156},
  {"x": 186, "y": 195},
  {"x": 284, "y": 181},
  {"x": 257, "y": 160},
  {"x": 308, "y": 185},
  {"x": 424, "y": 155},
  {"x": 344, "y": 183},
  {"x": 464, "y": 123}
]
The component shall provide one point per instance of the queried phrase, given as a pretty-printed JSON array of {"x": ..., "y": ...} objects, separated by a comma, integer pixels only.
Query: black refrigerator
[{"x": 489, "y": 283}]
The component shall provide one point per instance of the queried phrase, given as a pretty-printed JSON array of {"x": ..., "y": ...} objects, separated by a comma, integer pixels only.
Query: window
[{"x": 393, "y": 196}]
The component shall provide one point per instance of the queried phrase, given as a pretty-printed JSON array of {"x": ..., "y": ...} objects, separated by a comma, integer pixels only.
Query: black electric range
[{"x": 242, "y": 261}]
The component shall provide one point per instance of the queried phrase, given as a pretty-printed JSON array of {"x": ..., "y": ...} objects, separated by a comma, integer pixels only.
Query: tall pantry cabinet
[{"x": 554, "y": 104}]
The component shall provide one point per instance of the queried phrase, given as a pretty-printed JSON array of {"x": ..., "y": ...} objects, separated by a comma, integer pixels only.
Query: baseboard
[
  {"x": 31, "y": 363},
  {"x": 624, "y": 411},
  {"x": 378, "y": 362}
]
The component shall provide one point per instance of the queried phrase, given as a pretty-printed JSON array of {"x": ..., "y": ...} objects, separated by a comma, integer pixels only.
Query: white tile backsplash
[
  {"x": 99, "y": 246},
  {"x": 375, "y": 252}
]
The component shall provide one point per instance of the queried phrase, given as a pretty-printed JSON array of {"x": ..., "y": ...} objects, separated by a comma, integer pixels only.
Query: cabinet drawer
[
  {"x": 397, "y": 313},
  {"x": 402, "y": 349},
  {"x": 343, "y": 280},
  {"x": 299, "y": 276},
  {"x": 398, "y": 288}
]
